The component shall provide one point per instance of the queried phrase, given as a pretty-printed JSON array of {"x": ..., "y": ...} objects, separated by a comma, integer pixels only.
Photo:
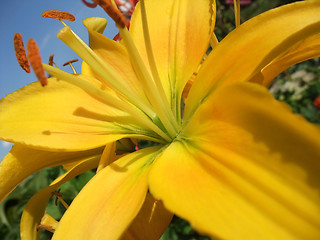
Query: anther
[
  {"x": 36, "y": 63},
  {"x": 21, "y": 52},
  {"x": 59, "y": 196},
  {"x": 113, "y": 12},
  {"x": 58, "y": 15},
  {"x": 90, "y": 5},
  {"x": 51, "y": 60},
  {"x": 46, "y": 227},
  {"x": 69, "y": 62}
]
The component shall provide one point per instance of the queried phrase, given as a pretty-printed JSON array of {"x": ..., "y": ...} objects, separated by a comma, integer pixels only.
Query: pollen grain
[{"x": 21, "y": 52}]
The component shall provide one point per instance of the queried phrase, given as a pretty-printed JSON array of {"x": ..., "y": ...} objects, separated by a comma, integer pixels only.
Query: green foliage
[
  {"x": 180, "y": 229},
  {"x": 12, "y": 207},
  {"x": 299, "y": 86}
]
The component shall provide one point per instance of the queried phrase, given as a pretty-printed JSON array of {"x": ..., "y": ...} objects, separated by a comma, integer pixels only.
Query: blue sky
[{"x": 25, "y": 17}]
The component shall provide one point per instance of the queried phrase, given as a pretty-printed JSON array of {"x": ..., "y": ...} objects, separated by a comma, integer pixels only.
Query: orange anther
[
  {"x": 58, "y": 15},
  {"x": 71, "y": 61},
  {"x": 21, "y": 52},
  {"x": 113, "y": 12},
  {"x": 36, "y": 63},
  {"x": 46, "y": 227},
  {"x": 51, "y": 60},
  {"x": 90, "y": 5}
]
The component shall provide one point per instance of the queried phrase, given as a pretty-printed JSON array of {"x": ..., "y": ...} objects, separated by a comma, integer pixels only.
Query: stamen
[
  {"x": 21, "y": 52},
  {"x": 113, "y": 12},
  {"x": 236, "y": 4},
  {"x": 108, "y": 75},
  {"x": 153, "y": 210},
  {"x": 48, "y": 223},
  {"x": 59, "y": 196},
  {"x": 46, "y": 227},
  {"x": 36, "y": 63},
  {"x": 51, "y": 60},
  {"x": 70, "y": 63},
  {"x": 90, "y": 5},
  {"x": 108, "y": 99},
  {"x": 165, "y": 115},
  {"x": 152, "y": 64},
  {"x": 58, "y": 15}
]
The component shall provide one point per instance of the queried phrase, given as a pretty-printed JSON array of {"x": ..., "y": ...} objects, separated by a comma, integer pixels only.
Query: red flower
[
  {"x": 317, "y": 102},
  {"x": 126, "y": 7}
]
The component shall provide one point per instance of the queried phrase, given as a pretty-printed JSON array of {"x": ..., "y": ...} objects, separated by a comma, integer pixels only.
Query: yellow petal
[
  {"x": 151, "y": 222},
  {"x": 267, "y": 156},
  {"x": 185, "y": 29},
  {"x": 110, "y": 201},
  {"x": 22, "y": 161},
  {"x": 219, "y": 201},
  {"x": 35, "y": 209},
  {"x": 112, "y": 53},
  {"x": 304, "y": 50},
  {"x": 252, "y": 46},
  {"x": 60, "y": 117}
]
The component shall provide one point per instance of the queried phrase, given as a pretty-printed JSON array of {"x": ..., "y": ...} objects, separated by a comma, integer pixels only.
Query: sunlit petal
[
  {"x": 36, "y": 206},
  {"x": 268, "y": 156},
  {"x": 22, "y": 161},
  {"x": 189, "y": 25},
  {"x": 228, "y": 203},
  {"x": 59, "y": 117},
  {"x": 252, "y": 46},
  {"x": 304, "y": 50},
  {"x": 113, "y": 54},
  {"x": 110, "y": 201}
]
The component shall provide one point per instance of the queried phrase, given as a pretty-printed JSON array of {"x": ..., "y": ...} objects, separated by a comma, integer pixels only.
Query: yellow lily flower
[{"x": 236, "y": 163}]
